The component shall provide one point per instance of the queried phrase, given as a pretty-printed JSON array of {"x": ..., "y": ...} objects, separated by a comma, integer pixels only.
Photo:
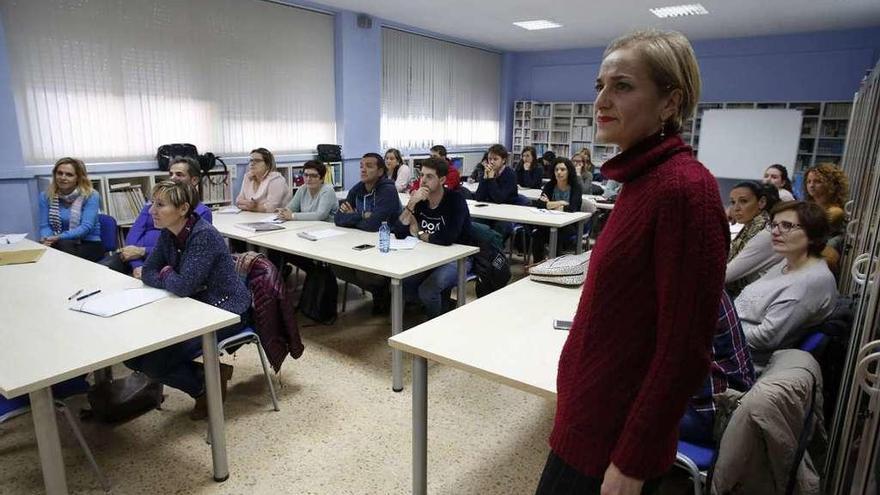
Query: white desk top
[
  {"x": 338, "y": 251},
  {"x": 44, "y": 342},
  {"x": 519, "y": 348},
  {"x": 524, "y": 214},
  {"x": 534, "y": 194},
  {"x": 225, "y": 224}
]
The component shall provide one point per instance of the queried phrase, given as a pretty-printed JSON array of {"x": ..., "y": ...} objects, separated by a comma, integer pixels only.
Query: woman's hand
[
  {"x": 284, "y": 214},
  {"x": 616, "y": 483},
  {"x": 544, "y": 198},
  {"x": 345, "y": 207},
  {"x": 490, "y": 172},
  {"x": 48, "y": 241},
  {"x": 129, "y": 253},
  {"x": 137, "y": 272},
  {"x": 247, "y": 204}
]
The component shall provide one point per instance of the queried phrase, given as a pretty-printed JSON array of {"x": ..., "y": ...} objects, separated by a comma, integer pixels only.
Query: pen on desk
[
  {"x": 90, "y": 294},
  {"x": 75, "y": 294}
]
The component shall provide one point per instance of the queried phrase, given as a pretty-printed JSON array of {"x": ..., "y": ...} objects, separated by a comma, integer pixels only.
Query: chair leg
[
  {"x": 344, "y": 296},
  {"x": 265, "y": 363},
  {"x": 688, "y": 465},
  {"x": 61, "y": 406}
]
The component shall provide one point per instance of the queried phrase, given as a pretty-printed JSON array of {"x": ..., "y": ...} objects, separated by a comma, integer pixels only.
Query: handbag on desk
[{"x": 568, "y": 269}]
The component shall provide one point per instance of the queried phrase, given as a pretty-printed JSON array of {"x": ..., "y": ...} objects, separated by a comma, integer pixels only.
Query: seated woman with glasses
[
  {"x": 751, "y": 252},
  {"x": 263, "y": 188},
  {"x": 794, "y": 294}
]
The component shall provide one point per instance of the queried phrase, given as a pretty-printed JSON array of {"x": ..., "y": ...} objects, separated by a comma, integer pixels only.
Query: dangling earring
[{"x": 662, "y": 129}]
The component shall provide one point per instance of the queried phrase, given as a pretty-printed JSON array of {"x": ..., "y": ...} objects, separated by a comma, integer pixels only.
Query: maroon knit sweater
[{"x": 641, "y": 339}]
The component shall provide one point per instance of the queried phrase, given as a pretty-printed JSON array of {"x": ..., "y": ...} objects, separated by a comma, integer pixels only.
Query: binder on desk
[
  {"x": 114, "y": 302},
  {"x": 20, "y": 256},
  {"x": 259, "y": 226}
]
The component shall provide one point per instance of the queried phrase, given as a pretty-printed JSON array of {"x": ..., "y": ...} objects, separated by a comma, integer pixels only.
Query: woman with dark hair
[
  {"x": 498, "y": 185},
  {"x": 547, "y": 161},
  {"x": 190, "y": 260},
  {"x": 69, "y": 212},
  {"x": 398, "y": 171},
  {"x": 316, "y": 200},
  {"x": 751, "y": 253},
  {"x": 529, "y": 173},
  {"x": 263, "y": 188},
  {"x": 562, "y": 193},
  {"x": 640, "y": 343},
  {"x": 794, "y": 294},
  {"x": 777, "y": 175},
  {"x": 479, "y": 169},
  {"x": 583, "y": 167}
]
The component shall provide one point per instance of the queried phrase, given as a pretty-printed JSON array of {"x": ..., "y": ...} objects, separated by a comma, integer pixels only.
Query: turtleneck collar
[{"x": 636, "y": 161}]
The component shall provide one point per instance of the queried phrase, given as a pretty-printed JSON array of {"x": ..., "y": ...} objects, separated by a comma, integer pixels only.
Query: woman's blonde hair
[
  {"x": 672, "y": 65},
  {"x": 177, "y": 193},
  {"x": 82, "y": 178},
  {"x": 838, "y": 184}
]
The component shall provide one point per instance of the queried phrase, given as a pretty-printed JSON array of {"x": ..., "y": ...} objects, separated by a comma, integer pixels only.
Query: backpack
[
  {"x": 490, "y": 264},
  {"x": 329, "y": 153},
  {"x": 121, "y": 399},
  {"x": 319, "y": 295},
  {"x": 168, "y": 151}
]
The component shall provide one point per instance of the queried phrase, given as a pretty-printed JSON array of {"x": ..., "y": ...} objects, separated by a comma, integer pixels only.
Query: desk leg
[
  {"x": 396, "y": 328},
  {"x": 46, "y": 429},
  {"x": 554, "y": 239},
  {"x": 462, "y": 282},
  {"x": 579, "y": 245},
  {"x": 215, "y": 406},
  {"x": 420, "y": 426}
]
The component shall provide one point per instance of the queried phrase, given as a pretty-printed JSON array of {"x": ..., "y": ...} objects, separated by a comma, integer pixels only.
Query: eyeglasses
[
  {"x": 784, "y": 227},
  {"x": 311, "y": 175},
  {"x": 256, "y": 160}
]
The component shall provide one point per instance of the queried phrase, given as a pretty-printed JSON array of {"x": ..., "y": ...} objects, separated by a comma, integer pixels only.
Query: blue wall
[{"x": 810, "y": 66}]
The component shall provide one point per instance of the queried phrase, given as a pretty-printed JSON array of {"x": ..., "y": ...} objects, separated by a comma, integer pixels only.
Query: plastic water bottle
[{"x": 384, "y": 238}]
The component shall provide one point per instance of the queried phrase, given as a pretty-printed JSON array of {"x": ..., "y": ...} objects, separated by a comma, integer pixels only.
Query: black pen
[
  {"x": 75, "y": 294},
  {"x": 90, "y": 294}
]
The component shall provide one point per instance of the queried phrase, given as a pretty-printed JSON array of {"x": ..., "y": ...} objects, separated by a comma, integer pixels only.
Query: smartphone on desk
[
  {"x": 562, "y": 324},
  {"x": 363, "y": 247},
  {"x": 479, "y": 205}
]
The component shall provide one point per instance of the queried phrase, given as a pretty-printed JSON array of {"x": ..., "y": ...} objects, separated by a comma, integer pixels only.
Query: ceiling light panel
[
  {"x": 679, "y": 10},
  {"x": 535, "y": 25}
]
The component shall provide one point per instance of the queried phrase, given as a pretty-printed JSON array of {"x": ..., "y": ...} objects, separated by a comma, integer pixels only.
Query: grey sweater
[
  {"x": 775, "y": 309},
  {"x": 754, "y": 260},
  {"x": 321, "y": 207}
]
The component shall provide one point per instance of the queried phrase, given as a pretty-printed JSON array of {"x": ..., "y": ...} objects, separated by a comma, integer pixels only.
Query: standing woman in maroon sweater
[{"x": 641, "y": 339}]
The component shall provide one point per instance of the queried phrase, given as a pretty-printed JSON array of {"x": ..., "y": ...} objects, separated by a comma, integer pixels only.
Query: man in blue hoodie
[
  {"x": 370, "y": 202},
  {"x": 436, "y": 215}
]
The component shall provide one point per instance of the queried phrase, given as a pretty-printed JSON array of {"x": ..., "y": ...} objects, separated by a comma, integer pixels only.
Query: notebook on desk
[
  {"x": 119, "y": 301},
  {"x": 259, "y": 226},
  {"x": 19, "y": 256}
]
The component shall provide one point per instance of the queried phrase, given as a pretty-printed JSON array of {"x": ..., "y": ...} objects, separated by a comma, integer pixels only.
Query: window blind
[
  {"x": 112, "y": 80},
  {"x": 436, "y": 92}
]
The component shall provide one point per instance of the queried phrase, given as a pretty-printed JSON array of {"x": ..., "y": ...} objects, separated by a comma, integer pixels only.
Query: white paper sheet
[
  {"x": 408, "y": 242},
  {"x": 11, "y": 238},
  {"x": 118, "y": 301},
  {"x": 229, "y": 209},
  {"x": 318, "y": 234}
]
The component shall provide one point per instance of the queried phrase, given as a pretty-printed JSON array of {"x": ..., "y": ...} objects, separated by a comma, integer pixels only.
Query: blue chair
[
  {"x": 814, "y": 343},
  {"x": 696, "y": 460},
  {"x": 109, "y": 237},
  {"x": 11, "y": 408}
]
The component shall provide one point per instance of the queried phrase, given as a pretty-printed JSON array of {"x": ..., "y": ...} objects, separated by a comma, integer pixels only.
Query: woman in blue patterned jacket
[{"x": 190, "y": 260}]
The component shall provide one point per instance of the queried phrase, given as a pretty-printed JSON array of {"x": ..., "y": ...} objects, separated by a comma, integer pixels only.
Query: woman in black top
[
  {"x": 562, "y": 193},
  {"x": 529, "y": 172}
]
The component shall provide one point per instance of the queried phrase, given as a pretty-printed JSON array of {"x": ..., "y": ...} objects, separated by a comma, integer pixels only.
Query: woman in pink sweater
[
  {"x": 263, "y": 188},
  {"x": 641, "y": 339}
]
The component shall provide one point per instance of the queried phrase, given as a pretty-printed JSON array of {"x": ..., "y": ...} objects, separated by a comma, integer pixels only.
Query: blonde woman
[{"x": 69, "y": 212}]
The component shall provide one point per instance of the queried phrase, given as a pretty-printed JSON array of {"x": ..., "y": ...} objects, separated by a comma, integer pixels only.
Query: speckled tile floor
[{"x": 340, "y": 431}]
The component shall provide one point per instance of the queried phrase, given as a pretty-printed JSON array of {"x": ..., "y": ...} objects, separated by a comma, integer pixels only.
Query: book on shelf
[{"x": 126, "y": 202}]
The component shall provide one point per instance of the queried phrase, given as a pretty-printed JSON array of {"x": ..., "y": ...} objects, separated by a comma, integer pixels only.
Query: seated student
[
  {"x": 438, "y": 216},
  {"x": 777, "y": 175},
  {"x": 479, "y": 169},
  {"x": 316, "y": 200},
  {"x": 190, "y": 259},
  {"x": 828, "y": 187},
  {"x": 370, "y": 202},
  {"x": 751, "y": 252},
  {"x": 398, "y": 171},
  {"x": 453, "y": 178},
  {"x": 562, "y": 193},
  {"x": 796, "y": 293},
  {"x": 547, "y": 161},
  {"x": 69, "y": 212},
  {"x": 498, "y": 186},
  {"x": 583, "y": 167},
  {"x": 263, "y": 188},
  {"x": 529, "y": 173},
  {"x": 142, "y": 237},
  {"x": 731, "y": 367}
]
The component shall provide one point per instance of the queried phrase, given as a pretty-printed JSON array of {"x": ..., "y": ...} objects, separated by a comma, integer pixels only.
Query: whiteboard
[{"x": 742, "y": 143}]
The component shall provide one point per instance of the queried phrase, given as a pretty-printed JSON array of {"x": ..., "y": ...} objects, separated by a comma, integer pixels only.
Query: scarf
[
  {"x": 757, "y": 224},
  {"x": 74, "y": 202}
]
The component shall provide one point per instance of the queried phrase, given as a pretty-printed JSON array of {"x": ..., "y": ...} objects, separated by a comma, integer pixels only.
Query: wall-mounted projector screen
[{"x": 740, "y": 144}]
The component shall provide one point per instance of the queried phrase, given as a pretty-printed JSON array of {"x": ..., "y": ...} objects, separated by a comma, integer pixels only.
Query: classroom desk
[
  {"x": 534, "y": 194},
  {"x": 45, "y": 343},
  {"x": 517, "y": 348},
  {"x": 396, "y": 265},
  {"x": 530, "y": 215},
  {"x": 225, "y": 224}
]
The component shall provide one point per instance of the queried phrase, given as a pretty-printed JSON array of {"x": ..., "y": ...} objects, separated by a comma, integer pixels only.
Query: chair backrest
[
  {"x": 813, "y": 342},
  {"x": 108, "y": 232}
]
